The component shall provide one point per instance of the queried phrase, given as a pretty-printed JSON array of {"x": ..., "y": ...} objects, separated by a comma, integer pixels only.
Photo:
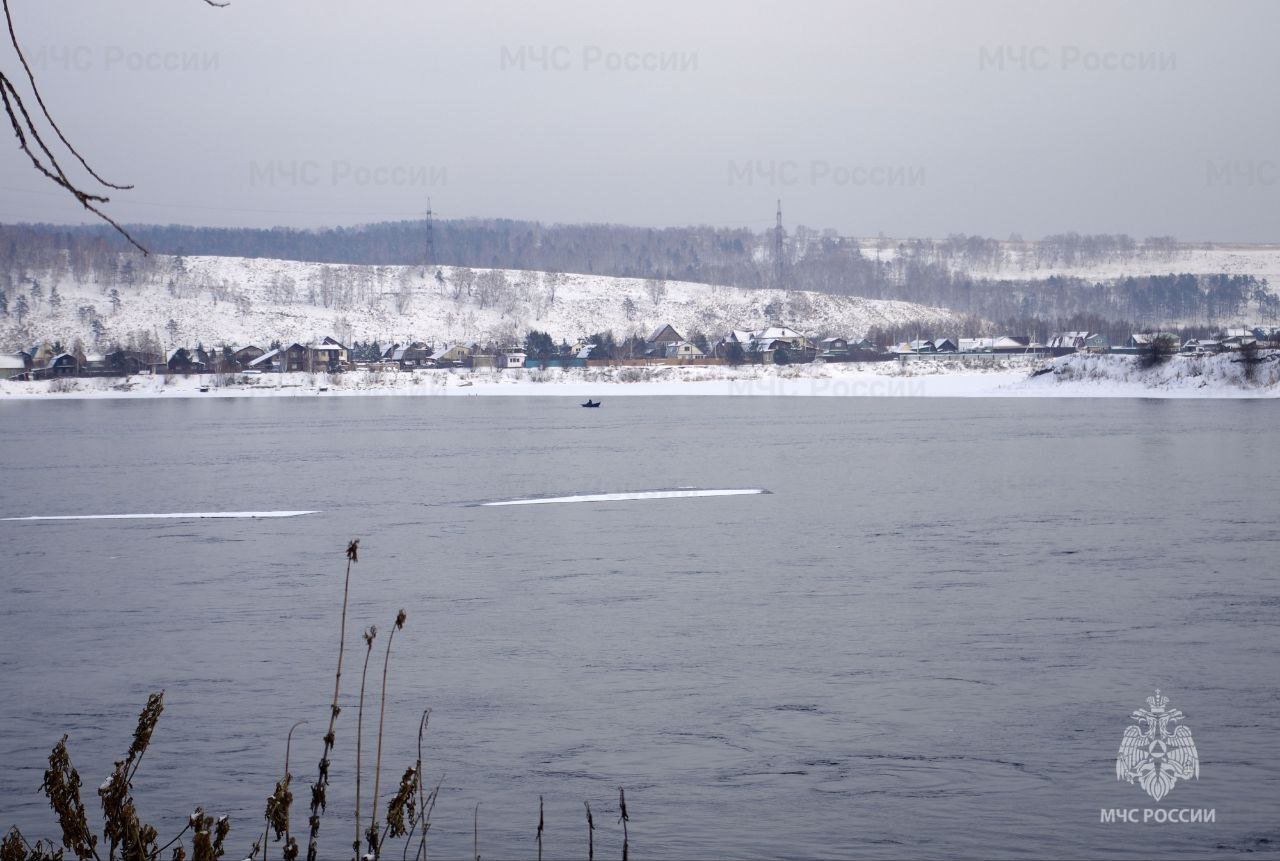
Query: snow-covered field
[
  {"x": 1071, "y": 376},
  {"x": 234, "y": 300}
]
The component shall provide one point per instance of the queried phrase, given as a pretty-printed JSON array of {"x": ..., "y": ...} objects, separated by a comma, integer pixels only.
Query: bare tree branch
[
  {"x": 35, "y": 90},
  {"x": 33, "y": 144}
]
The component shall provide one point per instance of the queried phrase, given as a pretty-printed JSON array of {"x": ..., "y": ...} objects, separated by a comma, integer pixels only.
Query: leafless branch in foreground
[{"x": 32, "y": 142}]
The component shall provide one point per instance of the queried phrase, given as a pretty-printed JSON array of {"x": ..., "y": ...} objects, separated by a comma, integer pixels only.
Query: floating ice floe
[{"x": 627, "y": 496}]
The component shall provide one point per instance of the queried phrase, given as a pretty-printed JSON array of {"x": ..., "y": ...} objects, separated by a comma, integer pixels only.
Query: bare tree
[
  {"x": 657, "y": 290},
  {"x": 554, "y": 281},
  {"x": 31, "y": 140},
  {"x": 404, "y": 295},
  {"x": 463, "y": 279},
  {"x": 491, "y": 286}
]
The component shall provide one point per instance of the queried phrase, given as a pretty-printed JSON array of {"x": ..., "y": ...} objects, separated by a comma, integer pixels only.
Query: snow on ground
[
  {"x": 1223, "y": 375},
  {"x": 1262, "y": 261},
  {"x": 237, "y": 300},
  {"x": 1071, "y": 376}
]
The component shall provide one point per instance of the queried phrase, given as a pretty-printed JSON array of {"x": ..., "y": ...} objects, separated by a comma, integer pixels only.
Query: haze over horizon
[{"x": 912, "y": 119}]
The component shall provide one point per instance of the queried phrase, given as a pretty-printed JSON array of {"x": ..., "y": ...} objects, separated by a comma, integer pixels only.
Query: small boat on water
[{"x": 591, "y": 403}]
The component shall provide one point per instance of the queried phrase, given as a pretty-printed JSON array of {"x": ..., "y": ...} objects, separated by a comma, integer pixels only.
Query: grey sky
[{"x": 908, "y": 118}]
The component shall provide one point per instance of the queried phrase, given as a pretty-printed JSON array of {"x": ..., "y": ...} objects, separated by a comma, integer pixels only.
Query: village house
[
  {"x": 683, "y": 350},
  {"x": 1202, "y": 346},
  {"x": 95, "y": 365},
  {"x": 38, "y": 356},
  {"x": 1238, "y": 339},
  {"x": 1140, "y": 342},
  {"x": 344, "y": 355},
  {"x": 1013, "y": 344},
  {"x": 266, "y": 362},
  {"x": 660, "y": 339},
  {"x": 409, "y": 356},
  {"x": 61, "y": 365},
  {"x": 1063, "y": 343},
  {"x": 12, "y": 367},
  {"x": 297, "y": 357},
  {"x": 128, "y": 362},
  {"x": 511, "y": 359},
  {"x": 327, "y": 357},
  {"x": 181, "y": 361},
  {"x": 767, "y": 345},
  {"x": 244, "y": 356},
  {"x": 833, "y": 350},
  {"x": 454, "y": 355}
]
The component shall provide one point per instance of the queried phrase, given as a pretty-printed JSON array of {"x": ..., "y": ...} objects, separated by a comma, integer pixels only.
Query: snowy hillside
[
  {"x": 214, "y": 300},
  {"x": 1018, "y": 261}
]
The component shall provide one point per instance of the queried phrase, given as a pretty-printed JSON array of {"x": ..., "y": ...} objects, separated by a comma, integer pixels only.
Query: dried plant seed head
[
  {"x": 146, "y": 726},
  {"x": 62, "y": 787},
  {"x": 14, "y": 846},
  {"x": 353, "y": 550},
  {"x": 400, "y": 618},
  {"x": 369, "y": 635}
]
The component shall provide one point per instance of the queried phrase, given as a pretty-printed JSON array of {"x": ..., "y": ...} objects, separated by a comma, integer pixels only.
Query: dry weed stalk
[
  {"x": 369, "y": 636},
  {"x": 62, "y": 787},
  {"x": 540, "y": 822},
  {"x": 319, "y": 788},
  {"x": 624, "y": 818},
  {"x": 278, "y": 805},
  {"x": 375, "y": 844},
  {"x": 123, "y": 829},
  {"x": 591, "y": 833},
  {"x": 208, "y": 835},
  {"x": 426, "y": 803}
]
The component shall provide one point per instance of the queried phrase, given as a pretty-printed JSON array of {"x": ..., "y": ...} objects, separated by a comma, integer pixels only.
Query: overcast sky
[{"x": 912, "y": 119}]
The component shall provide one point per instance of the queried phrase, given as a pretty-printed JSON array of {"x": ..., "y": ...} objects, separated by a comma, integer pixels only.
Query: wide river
[{"x": 925, "y": 641}]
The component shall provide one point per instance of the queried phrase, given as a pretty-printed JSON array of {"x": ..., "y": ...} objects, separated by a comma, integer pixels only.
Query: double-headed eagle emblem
[{"x": 1157, "y": 751}]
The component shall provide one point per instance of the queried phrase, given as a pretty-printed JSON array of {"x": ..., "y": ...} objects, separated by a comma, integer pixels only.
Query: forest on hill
[{"x": 938, "y": 273}]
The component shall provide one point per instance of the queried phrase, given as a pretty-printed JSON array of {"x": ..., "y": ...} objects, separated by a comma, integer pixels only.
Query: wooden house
[
  {"x": 682, "y": 350},
  {"x": 344, "y": 355},
  {"x": 244, "y": 356},
  {"x": 61, "y": 365},
  {"x": 182, "y": 361},
  {"x": 297, "y": 357},
  {"x": 661, "y": 338},
  {"x": 268, "y": 361},
  {"x": 12, "y": 366},
  {"x": 833, "y": 350},
  {"x": 454, "y": 355},
  {"x": 409, "y": 356},
  {"x": 327, "y": 357}
]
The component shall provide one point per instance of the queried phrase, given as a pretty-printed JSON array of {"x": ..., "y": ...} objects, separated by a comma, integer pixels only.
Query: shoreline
[{"x": 1072, "y": 377}]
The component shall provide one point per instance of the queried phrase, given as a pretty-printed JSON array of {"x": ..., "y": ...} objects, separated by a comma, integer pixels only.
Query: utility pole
[
  {"x": 431, "y": 239},
  {"x": 777, "y": 251}
]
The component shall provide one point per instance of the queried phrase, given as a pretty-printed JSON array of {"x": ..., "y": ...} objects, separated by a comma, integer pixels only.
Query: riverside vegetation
[{"x": 127, "y": 837}]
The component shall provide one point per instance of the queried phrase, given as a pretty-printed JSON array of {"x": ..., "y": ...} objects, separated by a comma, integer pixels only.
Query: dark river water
[{"x": 925, "y": 641}]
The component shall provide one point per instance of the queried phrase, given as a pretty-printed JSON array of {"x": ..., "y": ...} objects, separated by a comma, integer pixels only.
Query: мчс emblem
[{"x": 1158, "y": 750}]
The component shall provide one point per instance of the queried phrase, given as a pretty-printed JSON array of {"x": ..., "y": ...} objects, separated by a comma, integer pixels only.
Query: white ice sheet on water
[
  {"x": 620, "y": 497},
  {"x": 194, "y": 515}
]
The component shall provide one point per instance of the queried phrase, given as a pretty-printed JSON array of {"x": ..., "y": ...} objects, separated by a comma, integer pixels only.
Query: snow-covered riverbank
[{"x": 1073, "y": 376}]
